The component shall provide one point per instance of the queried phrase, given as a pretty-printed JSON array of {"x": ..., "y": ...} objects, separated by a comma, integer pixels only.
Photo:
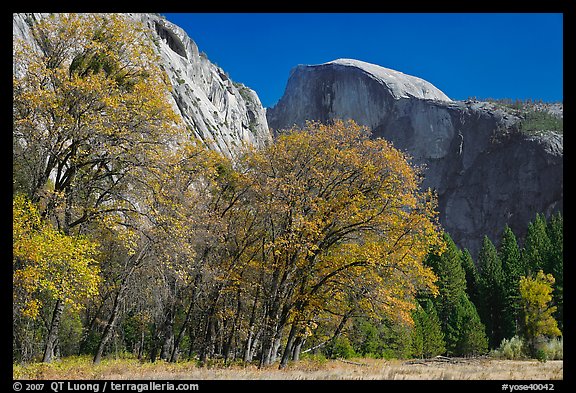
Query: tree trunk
[
  {"x": 276, "y": 345},
  {"x": 248, "y": 346},
  {"x": 141, "y": 347},
  {"x": 155, "y": 343},
  {"x": 192, "y": 340},
  {"x": 297, "y": 348},
  {"x": 91, "y": 323},
  {"x": 255, "y": 344},
  {"x": 231, "y": 335},
  {"x": 289, "y": 347},
  {"x": 168, "y": 337},
  {"x": 249, "y": 340},
  {"x": 219, "y": 328},
  {"x": 117, "y": 300},
  {"x": 267, "y": 344},
  {"x": 52, "y": 339},
  {"x": 109, "y": 326},
  {"x": 208, "y": 346},
  {"x": 207, "y": 349},
  {"x": 174, "y": 355},
  {"x": 270, "y": 332}
]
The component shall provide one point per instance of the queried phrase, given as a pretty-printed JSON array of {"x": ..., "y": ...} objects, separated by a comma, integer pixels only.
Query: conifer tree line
[
  {"x": 509, "y": 291},
  {"x": 484, "y": 302},
  {"x": 131, "y": 238}
]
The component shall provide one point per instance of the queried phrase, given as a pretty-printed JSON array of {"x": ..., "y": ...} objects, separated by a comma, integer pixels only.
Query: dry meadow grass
[{"x": 371, "y": 369}]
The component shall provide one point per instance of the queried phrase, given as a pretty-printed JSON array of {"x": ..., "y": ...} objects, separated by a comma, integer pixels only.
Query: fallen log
[
  {"x": 437, "y": 359},
  {"x": 350, "y": 362}
]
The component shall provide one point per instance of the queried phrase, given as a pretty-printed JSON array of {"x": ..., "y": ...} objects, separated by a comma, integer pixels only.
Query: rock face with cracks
[
  {"x": 487, "y": 173},
  {"x": 222, "y": 113}
]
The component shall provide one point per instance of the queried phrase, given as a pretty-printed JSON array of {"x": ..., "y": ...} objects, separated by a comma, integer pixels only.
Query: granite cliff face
[
  {"x": 486, "y": 172},
  {"x": 224, "y": 114}
]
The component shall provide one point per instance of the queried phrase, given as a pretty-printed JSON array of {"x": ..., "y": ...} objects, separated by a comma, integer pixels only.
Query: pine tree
[
  {"x": 491, "y": 292},
  {"x": 417, "y": 337},
  {"x": 463, "y": 331},
  {"x": 451, "y": 278},
  {"x": 555, "y": 231},
  {"x": 427, "y": 338},
  {"x": 465, "y": 334},
  {"x": 537, "y": 246},
  {"x": 472, "y": 277},
  {"x": 512, "y": 269}
]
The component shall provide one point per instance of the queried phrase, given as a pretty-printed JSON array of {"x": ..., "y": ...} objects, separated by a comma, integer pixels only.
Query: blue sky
[{"x": 475, "y": 54}]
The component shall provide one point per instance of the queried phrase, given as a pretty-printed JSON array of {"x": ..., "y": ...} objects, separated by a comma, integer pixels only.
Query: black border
[{"x": 566, "y": 7}]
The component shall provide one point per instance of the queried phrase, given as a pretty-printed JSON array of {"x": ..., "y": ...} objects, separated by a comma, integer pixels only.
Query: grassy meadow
[{"x": 81, "y": 368}]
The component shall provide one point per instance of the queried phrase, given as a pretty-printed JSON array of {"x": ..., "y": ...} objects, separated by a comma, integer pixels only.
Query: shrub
[
  {"x": 317, "y": 358},
  {"x": 341, "y": 348},
  {"x": 540, "y": 121},
  {"x": 511, "y": 349},
  {"x": 552, "y": 349},
  {"x": 541, "y": 355}
]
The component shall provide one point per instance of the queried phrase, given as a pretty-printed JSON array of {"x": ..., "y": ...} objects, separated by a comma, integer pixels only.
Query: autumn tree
[
  {"x": 339, "y": 206},
  {"x": 536, "y": 295},
  {"x": 90, "y": 116},
  {"x": 50, "y": 269}
]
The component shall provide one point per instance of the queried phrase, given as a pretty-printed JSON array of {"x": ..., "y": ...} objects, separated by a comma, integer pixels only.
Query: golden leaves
[
  {"x": 348, "y": 226},
  {"x": 536, "y": 295},
  {"x": 49, "y": 263}
]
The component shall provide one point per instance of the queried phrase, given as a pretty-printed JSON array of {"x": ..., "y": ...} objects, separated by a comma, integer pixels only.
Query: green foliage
[
  {"x": 491, "y": 290},
  {"x": 553, "y": 348},
  {"x": 451, "y": 278},
  {"x": 472, "y": 277},
  {"x": 89, "y": 343},
  {"x": 427, "y": 338},
  {"x": 70, "y": 333},
  {"x": 537, "y": 246},
  {"x": 512, "y": 269},
  {"x": 511, "y": 349},
  {"x": 381, "y": 339},
  {"x": 555, "y": 231},
  {"x": 540, "y": 355},
  {"x": 342, "y": 348},
  {"x": 318, "y": 358},
  {"x": 534, "y": 117},
  {"x": 504, "y": 309},
  {"x": 465, "y": 333},
  {"x": 538, "y": 121}
]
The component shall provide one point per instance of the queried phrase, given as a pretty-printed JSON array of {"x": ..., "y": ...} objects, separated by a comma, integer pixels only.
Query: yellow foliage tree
[
  {"x": 91, "y": 118},
  {"x": 49, "y": 266},
  {"x": 342, "y": 210},
  {"x": 91, "y": 110},
  {"x": 535, "y": 298}
]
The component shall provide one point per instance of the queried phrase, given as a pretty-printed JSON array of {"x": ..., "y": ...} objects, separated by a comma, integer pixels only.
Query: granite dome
[{"x": 400, "y": 85}]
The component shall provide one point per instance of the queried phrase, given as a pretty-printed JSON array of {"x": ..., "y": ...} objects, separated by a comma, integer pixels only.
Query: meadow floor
[{"x": 365, "y": 369}]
